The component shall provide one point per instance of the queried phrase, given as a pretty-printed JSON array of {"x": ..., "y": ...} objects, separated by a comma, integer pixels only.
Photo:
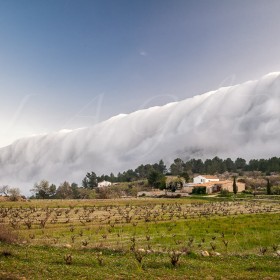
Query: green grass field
[{"x": 140, "y": 239}]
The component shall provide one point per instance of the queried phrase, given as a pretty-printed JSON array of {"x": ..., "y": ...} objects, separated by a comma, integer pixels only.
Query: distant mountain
[{"x": 236, "y": 121}]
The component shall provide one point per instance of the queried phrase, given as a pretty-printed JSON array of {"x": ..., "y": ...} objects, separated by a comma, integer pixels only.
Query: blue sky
[{"x": 70, "y": 64}]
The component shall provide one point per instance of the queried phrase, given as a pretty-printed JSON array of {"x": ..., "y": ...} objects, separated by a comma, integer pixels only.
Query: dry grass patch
[{"x": 7, "y": 235}]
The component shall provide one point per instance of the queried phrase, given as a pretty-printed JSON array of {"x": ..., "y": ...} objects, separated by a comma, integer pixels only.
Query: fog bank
[{"x": 238, "y": 121}]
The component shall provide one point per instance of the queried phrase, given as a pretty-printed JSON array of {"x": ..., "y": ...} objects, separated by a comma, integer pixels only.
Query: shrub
[
  {"x": 199, "y": 190},
  {"x": 174, "y": 257},
  {"x": 224, "y": 193},
  {"x": 6, "y": 253},
  {"x": 247, "y": 192},
  {"x": 275, "y": 190},
  {"x": 100, "y": 258},
  {"x": 68, "y": 259},
  {"x": 7, "y": 235},
  {"x": 139, "y": 255},
  {"x": 14, "y": 194}
]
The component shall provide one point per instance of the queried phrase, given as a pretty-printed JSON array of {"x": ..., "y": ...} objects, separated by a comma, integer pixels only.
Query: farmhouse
[
  {"x": 200, "y": 179},
  {"x": 212, "y": 184},
  {"x": 104, "y": 184}
]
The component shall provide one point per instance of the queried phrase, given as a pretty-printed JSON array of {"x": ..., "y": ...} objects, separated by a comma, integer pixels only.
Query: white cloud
[
  {"x": 143, "y": 53},
  {"x": 242, "y": 120}
]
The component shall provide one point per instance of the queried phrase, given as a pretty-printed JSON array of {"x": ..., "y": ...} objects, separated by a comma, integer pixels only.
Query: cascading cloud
[{"x": 237, "y": 121}]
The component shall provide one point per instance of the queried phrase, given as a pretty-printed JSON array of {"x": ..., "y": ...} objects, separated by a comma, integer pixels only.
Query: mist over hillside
[{"x": 237, "y": 121}]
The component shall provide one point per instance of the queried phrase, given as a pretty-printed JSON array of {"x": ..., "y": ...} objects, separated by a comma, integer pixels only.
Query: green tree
[
  {"x": 186, "y": 176},
  {"x": 42, "y": 190},
  {"x": 52, "y": 191},
  {"x": 209, "y": 168},
  {"x": 90, "y": 181},
  {"x": 160, "y": 167},
  {"x": 234, "y": 186},
  {"x": 64, "y": 191},
  {"x": 230, "y": 166},
  {"x": 240, "y": 163},
  {"x": 263, "y": 165},
  {"x": 143, "y": 171},
  {"x": 253, "y": 165},
  {"x": 268, "y": 187},
  {"x": 177, "y": 167},
  {"x": 197, "y": 166},
  {"x": 274, "y": 164},
  {"x": 129, "y": 175},
  {"x": 75, "y": 191},
  {"x": 156, "y": 179},
  {"x": 112, "y": 178},
  {"x": 218, "y": 165}
]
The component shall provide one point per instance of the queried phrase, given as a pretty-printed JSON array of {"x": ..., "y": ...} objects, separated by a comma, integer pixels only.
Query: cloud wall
[{"x": 242, "y": 120}]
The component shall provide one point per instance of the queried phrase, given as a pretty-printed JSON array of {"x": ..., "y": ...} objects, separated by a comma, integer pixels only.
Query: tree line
[
  {"x": 45, "y": 190},
  {"x": 186, "y": 168},
  {"x": 154, "y": 174}
]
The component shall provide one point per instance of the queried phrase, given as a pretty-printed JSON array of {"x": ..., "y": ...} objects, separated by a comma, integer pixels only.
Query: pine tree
[{"x": 90, "y": 181}]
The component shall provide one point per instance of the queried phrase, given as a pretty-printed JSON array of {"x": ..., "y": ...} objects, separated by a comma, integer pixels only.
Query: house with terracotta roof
[{"x": 212, "y": 184}]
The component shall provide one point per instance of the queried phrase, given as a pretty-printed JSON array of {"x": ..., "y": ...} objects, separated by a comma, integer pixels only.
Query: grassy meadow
[{"x": 190, "y": 238}]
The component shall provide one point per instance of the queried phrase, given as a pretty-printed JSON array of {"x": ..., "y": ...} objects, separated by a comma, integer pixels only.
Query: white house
[
  {"x": 104, "y": 184},
  {"x": 202, "y": 179},
  {"x": 214, "y": 186}
]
